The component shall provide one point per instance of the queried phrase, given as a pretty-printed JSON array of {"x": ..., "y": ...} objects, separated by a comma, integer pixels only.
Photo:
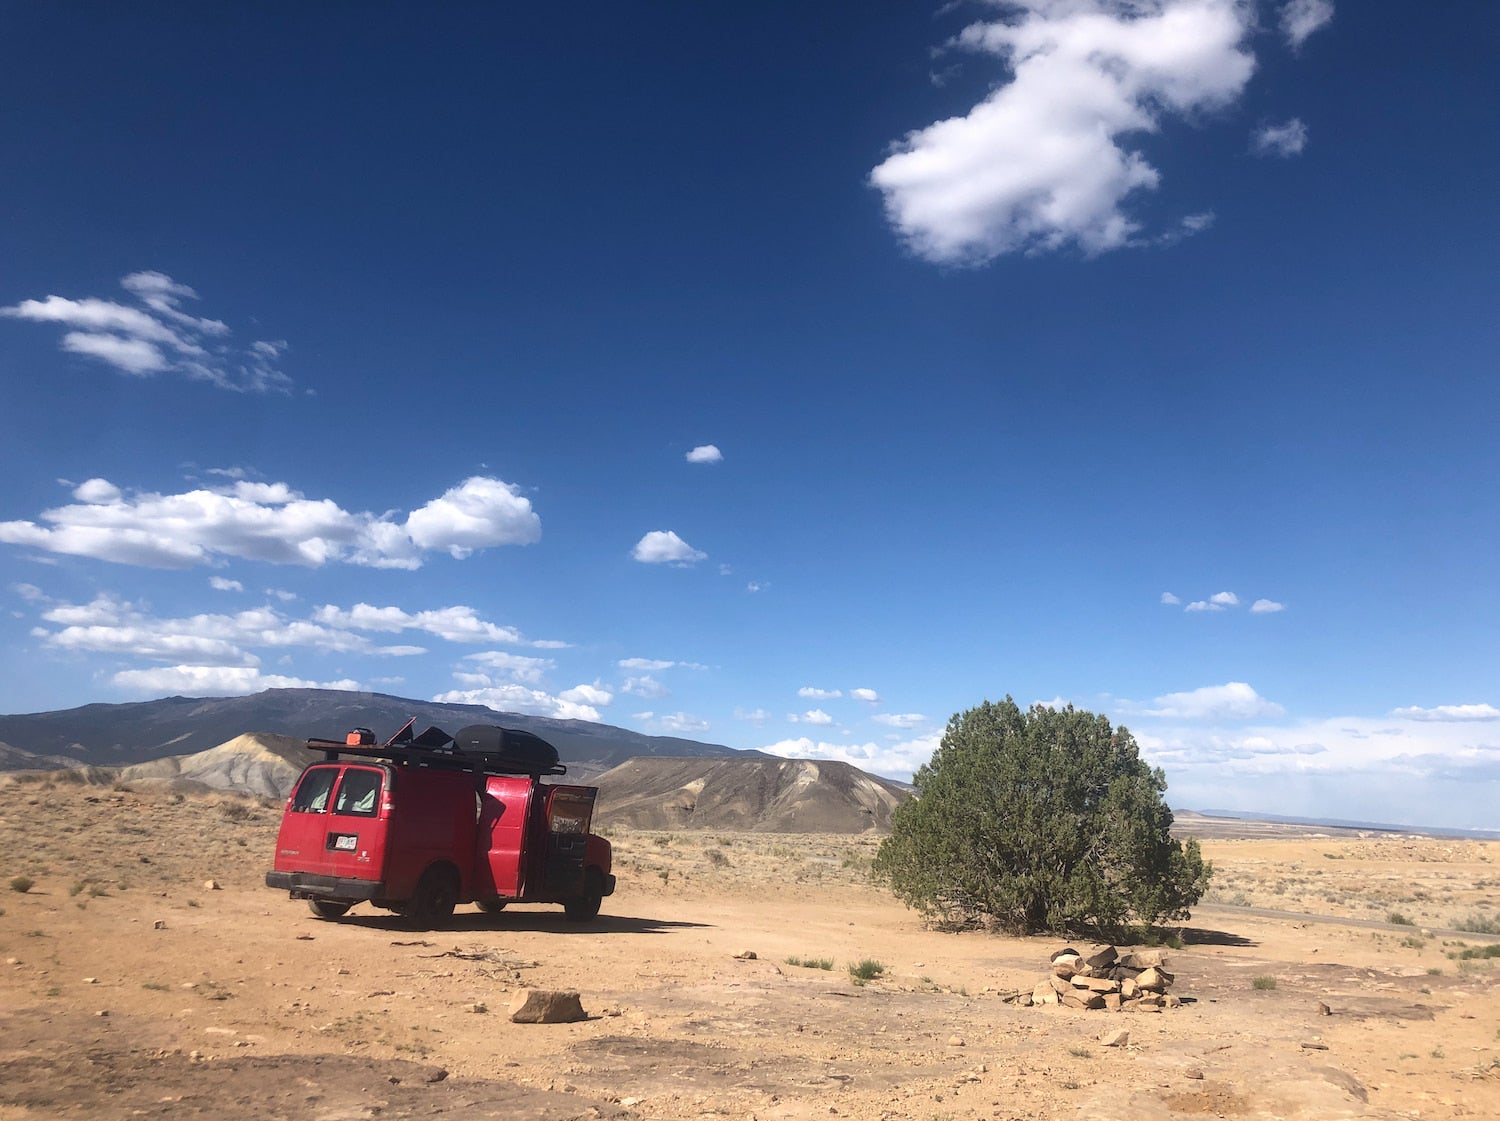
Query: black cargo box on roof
[{"x": 506, "y": 749}]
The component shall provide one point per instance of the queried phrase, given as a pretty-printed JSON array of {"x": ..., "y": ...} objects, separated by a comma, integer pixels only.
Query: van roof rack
[{"x": 480, "y": 748}]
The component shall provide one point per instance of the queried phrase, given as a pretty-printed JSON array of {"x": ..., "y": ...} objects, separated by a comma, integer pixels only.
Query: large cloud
[
  {"x": 271, "y": 522},
  {"x": 216, "y": 681},
  {"x": 158, "y": 336},
  {"x": 1042, "y": 163}
]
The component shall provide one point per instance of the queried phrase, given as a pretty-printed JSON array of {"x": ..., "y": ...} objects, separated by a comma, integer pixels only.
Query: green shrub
[
  {"x": 1263, "y": 984},
  {"x": 1039, "y": 820},
  {"x": 1396, "y": 918},
  {"x": 1478, "y": 924},
  {"x": 811, "y": 963},
  {"x": 866, "y": 970},
  {"x": 22, "y": 884}
]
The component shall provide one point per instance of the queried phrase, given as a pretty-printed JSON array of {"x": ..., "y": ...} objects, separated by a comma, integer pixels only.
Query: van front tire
[{"x": 584, "y": 907}]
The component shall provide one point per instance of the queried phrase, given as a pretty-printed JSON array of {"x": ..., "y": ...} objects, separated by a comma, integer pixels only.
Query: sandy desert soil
[{"x": 129, "y": 988}]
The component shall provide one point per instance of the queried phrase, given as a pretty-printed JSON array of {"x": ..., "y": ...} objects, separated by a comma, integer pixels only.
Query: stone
[
  {"x": 1059, "y": 986},
  {"x": 1143, "y": 959},
  {"x": 1112, "y": 1002},
  {"x": 745, "y": 955},
  {"x": 1082, "y": 998},
  {"x": 211, "y": 885},
  {"x": 955, "y": 1041},
  {"x": 159, "y": 924},
  {"x": 1129, "y": 989},
  {"x": 1066, "y": 968},
  {"x": 1153, "y": 980},
  {"x": 1117, "y": 1038},
  {"x": 1043, "y": 994},
  {"x": 1065, "y": 952},
  {"x": 1102, "y": 959},
  {"x": 1172, "y": 1000},
  {"x": 1099, "y": 984},
  {"x": 546, "y": 1006}
]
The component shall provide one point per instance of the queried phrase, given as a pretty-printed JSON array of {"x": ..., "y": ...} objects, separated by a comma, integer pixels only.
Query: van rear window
[
  {"x": 312, "y": 791},
  {"x": 359, "y": 793}
]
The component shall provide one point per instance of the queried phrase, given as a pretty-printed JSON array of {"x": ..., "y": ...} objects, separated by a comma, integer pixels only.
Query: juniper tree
[{"x": 1040, "y": 820}]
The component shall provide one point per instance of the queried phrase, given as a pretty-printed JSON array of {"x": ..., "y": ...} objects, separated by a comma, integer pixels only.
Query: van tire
[
  {"x": 432, "y": 903},
  {"x": 328, "y": 908},
  {"x": 584, "y": 907},
  {"x": 492, "y": 906}
]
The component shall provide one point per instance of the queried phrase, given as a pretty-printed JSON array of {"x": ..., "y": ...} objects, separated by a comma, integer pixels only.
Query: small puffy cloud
[
  {"x": 649, "y": 665},
  {"x": 869, "y": 696},
  {"x": 1233, "y": 701},
  {"x": 29, "y": 592},
  {"x": 479, "y": 513},
  {"x": 222, "y": 584},
  {"x": 665, "y": 547},
  {"x": 155, "y": 335},
  {"x": 1043, "y": 162},
  {"x": 520, "y": 698},
  {"x": 812, "y": 716},
  {"x": 512, "y": 667},
  {"x": 216, "y": 681},
  {"x": 1284, "y": 140},
  {"x": 645, "y": 686},
  {"x": 1224, "y": 599},
  {"x": 1169, "y": 599},
  {"x": 270, "y": 522},
  {"x": 814, "y": 694},
  {"x": 754, "y": 715},
  {"x": 1449, "y": 713},
  {"x": 453, "y": 624},
  {"x": 900, "y": 719},
  {"x": 1300, "y": 18},
  {"x": 1266, "y": 607},
  {"x": 705, "y": 453},
  {"x": 756, "y": 586},
  {"x": 896, "y": 760},
  {"x": 594, "y": 694}
]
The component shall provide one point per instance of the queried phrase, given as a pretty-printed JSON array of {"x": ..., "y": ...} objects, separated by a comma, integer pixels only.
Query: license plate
[{"x": 346, "y": 842}]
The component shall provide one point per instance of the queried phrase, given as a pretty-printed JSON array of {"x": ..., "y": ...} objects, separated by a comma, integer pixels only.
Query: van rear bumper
[{"x": 305, "y": 885}]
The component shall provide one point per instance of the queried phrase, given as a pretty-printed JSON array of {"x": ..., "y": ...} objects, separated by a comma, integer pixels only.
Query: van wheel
[
  {"x": 586, "y": 906},
  {"x": 328, "y": 908},
  {"x": 492, "y": 906},
  {"x": 432, "y": 904}
]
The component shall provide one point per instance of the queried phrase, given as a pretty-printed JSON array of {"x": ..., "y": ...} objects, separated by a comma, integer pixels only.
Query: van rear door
[
  {"x": 569, "y": 813},
  {"x": 332, "y": 825}
]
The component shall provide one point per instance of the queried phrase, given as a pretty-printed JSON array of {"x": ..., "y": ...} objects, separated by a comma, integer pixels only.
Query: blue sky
[{"x": 786, "y": 376}]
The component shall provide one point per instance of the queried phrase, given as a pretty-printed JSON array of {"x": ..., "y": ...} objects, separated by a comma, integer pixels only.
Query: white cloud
[
  {"x": 1224, "y": 599},
  {"x": 895, "y": 760},
  {"x": 158, "y": 336},
  {"x": 1169, "y": 599},
  {"x": 216, "y": 681},
  {"x": 647, "y": 664},
  {"x": 479, "y": 513},
  {"x": 645, "y": 686},
  {"x": 705, "y": 453},
  {"x": 594, "y": 694},
  {"x": 519, "y": 698},
  {"x": 681, "y": 724},
  {"x": 756, "y": 586},
  {"x": 515, "y": 667},
  {"x": 453, "y": 624},
  {"x": 869, "y": 696},
  {"x": 29, "y": 592},
  {"x": 812, "y": 716},
  {"x": 270, "y": 522},
  {"x": 815, "y": 694},
  {"x": 1266, "y": 607},
  {"x": 1040, "y": 163},
  {"x": 754, "y": 715},
  {"x": 900, "y": 719},
  {"x": 1282, "y": 140},
  {"x": 665, "y": 547},
  {"x": 1233, "y": 701},
  {"x": 1449, "y": 713},
  {"x": 1300, "y": 18},
  {"x": 222, "y": 584}
]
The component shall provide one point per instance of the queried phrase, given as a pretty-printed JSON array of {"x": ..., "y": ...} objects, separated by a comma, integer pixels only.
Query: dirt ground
[{"x": 129, "y": 987}]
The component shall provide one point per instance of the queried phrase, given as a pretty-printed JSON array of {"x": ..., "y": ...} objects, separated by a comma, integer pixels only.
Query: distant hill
[
  {"x": 120, "y": 734},
  {"x": 746, "y": 794},
  {"x": 261, "y": 763}
]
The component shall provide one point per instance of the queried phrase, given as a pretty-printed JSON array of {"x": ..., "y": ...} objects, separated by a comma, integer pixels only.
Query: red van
[{"x": 421, "y": 824}]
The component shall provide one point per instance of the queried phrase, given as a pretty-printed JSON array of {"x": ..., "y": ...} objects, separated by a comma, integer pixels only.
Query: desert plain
[{"x": 146, "y": 971}]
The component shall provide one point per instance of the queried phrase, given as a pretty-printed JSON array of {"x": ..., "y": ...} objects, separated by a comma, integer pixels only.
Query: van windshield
[
  {"x": 312, "y": 791},
  {"x": 359, "y": 793}
]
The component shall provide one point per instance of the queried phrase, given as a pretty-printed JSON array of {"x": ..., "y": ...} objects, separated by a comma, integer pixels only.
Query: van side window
[
  {"x": 359, "y": 793},
  {"x": 312, "y": 791}
]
